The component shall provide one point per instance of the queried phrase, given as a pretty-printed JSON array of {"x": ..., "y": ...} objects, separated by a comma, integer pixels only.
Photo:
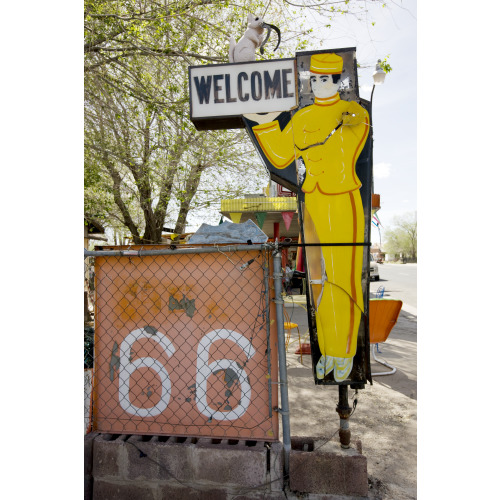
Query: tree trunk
[
  {"x": 191, "y": 187},
  {"x": 152, "y": 233}
]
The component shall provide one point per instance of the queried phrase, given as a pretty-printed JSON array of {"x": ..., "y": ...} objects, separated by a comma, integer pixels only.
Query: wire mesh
[{"x": 181, "y": 344}]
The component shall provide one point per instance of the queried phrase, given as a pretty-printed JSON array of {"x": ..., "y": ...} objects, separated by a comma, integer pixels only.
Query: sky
[{"x": 394, "y": 119}]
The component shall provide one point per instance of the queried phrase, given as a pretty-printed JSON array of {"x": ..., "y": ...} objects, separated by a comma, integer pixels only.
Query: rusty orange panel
[{"x": 181, "y": 347}]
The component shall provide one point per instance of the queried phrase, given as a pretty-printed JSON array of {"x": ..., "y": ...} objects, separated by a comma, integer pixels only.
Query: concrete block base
[
  {"x": 325, "y": 468},
  {"x": 126, "y": 467}
]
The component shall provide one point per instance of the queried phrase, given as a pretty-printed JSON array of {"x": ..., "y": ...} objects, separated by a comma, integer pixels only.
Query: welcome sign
[{"x": 221, "y": 93}]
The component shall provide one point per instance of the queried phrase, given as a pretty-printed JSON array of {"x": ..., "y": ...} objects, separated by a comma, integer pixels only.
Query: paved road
[{"x": 400, "y": 282}]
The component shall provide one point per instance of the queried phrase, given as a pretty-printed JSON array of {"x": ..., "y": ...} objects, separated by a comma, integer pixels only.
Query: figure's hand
[
  {"x": 262, "y": 118},
  {"x": 353, "y": 115}
]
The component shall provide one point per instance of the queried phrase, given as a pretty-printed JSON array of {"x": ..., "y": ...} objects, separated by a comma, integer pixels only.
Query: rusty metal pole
[{"x": 344, "y": 411}]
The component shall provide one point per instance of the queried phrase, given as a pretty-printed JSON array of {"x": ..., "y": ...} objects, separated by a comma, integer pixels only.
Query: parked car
[{"x": 373, "y": 269}]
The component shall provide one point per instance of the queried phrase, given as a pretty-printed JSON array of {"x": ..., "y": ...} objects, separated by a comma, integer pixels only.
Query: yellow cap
[{"x": 326, "y": 64}]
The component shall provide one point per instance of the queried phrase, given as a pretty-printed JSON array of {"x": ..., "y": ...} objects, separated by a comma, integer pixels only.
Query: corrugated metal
[{"x": 261, "y": 204}]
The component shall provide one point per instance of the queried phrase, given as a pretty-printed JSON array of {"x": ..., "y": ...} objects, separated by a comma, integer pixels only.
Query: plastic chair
[
  {"x": 288, "y": 327},
  {"x": 384, "y": 314}
]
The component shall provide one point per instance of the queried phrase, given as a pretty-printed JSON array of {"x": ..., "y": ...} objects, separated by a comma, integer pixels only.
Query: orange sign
[{"x": 183, "y": 346}]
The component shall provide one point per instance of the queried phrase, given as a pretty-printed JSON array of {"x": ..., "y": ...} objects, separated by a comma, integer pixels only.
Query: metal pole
[
  {"x": 285, "y": 414},
  {"x": 344, "y": 411},
  {"x": 268, "y": 332},
  {"x": 178, "y": 250}
]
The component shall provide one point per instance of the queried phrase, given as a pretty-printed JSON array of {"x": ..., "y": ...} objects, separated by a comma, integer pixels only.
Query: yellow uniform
[{"x": 333, "y": 212}]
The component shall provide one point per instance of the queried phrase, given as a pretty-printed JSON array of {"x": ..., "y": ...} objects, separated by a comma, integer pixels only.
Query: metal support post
[
  {"x": 344, "y": 411},
  {"x": 285, "y": 414}
]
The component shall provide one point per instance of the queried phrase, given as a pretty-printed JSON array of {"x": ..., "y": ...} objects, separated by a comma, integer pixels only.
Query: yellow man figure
[{"x": 328, "y": 136}]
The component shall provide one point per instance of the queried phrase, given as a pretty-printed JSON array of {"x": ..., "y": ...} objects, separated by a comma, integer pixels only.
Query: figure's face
[{"x": 323, "y": 86}]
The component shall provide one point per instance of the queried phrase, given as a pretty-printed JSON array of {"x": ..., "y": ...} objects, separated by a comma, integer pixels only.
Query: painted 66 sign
[{"x": 185, "y": 346}]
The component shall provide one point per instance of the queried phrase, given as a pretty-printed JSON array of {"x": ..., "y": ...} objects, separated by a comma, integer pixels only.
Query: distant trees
[{"x": 402, "y": 237}]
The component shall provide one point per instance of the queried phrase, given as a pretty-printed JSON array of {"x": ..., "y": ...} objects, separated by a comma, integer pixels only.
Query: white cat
[{"x": 252, "y": 39}]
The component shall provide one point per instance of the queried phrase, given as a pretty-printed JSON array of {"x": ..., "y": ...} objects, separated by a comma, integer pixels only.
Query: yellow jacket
[{"x": 330, "y": 161}]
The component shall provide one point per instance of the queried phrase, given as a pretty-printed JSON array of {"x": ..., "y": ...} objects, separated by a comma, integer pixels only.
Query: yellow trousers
[{"x": 335, "y": 272}]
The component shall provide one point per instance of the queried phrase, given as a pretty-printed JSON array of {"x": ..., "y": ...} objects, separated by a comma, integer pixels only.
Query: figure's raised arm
[{"x": 274, "y": 142}]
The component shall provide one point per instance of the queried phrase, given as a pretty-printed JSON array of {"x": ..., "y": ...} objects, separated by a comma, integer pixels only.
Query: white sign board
[{"x": 221, "y": 93}]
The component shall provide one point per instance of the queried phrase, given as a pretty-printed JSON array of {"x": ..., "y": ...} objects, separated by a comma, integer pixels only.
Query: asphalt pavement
[{"x": 398, "y": 281}]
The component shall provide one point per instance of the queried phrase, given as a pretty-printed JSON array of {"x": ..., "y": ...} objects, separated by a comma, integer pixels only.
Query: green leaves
[{"x": 385, "y": 65}]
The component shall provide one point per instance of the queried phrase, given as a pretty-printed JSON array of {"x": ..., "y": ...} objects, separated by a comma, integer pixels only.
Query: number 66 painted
[
  {"x": 204, "y": 370},
  {"x": 124, "y": 377}
]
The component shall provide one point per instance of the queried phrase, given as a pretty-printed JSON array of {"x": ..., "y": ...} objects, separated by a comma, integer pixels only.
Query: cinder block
[
  {"x": 276, "y": 466},
  {"x": 230, "y": 462},
  {"x": 142, "y": 458},
  {"x": 107, "y": 456},
  {"x": 88, "y": 443},
  {"x": 88, "y": 485},
  {"x": 179, "y": 492},
  {"x": 257, "y": 494},
  {"x": 176, "y": 459},
  {"x": 108, "y": 490},
  {"x": 328, "y": 469},
  {"x": 316, "y": 496},
  {"x": 356, "y": 476},
  {"x": 215, "y": 467}
]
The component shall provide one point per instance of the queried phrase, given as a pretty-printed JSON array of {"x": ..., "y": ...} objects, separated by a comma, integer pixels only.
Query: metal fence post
[{"x": 285, "y": 414}]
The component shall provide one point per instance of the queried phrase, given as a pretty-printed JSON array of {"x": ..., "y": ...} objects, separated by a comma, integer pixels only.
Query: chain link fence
[{"x": 181, "y": 342}]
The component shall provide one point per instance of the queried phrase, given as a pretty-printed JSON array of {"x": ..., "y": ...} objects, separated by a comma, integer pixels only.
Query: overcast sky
[{"x": 394, "y": 103}]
